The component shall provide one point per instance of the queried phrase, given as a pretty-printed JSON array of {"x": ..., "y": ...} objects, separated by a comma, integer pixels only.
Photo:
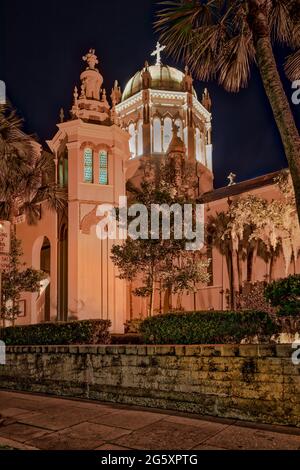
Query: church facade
[{"x": 95, "y": 153}]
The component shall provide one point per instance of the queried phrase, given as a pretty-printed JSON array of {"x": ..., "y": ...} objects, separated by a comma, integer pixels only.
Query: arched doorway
[{"x": 45, "y": 263}]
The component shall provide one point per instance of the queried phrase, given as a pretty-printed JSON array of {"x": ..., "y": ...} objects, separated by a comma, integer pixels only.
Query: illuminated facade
[
  {"x": 153, "y": 100},
  {"x": 96, "y": 152}
]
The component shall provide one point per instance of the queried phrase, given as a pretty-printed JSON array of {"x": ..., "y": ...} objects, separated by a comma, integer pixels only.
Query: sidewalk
[{"x": 48, "y": 423}]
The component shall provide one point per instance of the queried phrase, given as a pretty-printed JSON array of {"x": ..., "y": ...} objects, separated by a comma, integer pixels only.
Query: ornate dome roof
[{"x": 163, "y": 77}]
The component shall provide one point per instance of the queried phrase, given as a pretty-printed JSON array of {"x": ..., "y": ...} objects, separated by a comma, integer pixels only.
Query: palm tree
[
  {"x": 217, "y": 229},
  {"x": 27, "y": 180},
  {"x": 27, "y": 177},
  {"x": 222, "y": 38}
]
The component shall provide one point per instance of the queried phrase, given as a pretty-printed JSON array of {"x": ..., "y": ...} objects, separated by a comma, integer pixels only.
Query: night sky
[{"x": 41, "y": 45}]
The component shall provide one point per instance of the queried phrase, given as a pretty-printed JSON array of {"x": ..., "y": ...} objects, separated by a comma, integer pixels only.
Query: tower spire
[{"x": 91, "y": 103}]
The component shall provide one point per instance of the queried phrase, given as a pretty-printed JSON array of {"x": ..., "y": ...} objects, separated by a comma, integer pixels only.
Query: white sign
[{"x": 4, "y": 237}]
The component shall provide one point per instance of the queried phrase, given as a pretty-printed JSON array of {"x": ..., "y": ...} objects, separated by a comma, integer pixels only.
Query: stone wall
[{"x": 250, "y": 382}]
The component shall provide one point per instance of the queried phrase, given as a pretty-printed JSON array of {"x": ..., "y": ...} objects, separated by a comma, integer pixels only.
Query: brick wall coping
[{"x": 222, "y": 350}]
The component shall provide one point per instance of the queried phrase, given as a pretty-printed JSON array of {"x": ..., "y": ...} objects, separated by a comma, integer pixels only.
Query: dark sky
[{"x": 41, "y": 45}]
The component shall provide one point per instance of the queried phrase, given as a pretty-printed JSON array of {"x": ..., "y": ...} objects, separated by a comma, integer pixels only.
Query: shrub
[
  {"x": 133, "y": 326},
  {"x": 252, "y": 297},
  {"x": 77, "y": 332},
  {"x": 285, "y": 294},
  {"x": 127, "y": 338},
  {"x": 207, "y": 327}
]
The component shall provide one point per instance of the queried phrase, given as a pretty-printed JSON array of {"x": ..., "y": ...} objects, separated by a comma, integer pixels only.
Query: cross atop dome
[{"x": 157, "y": 53}]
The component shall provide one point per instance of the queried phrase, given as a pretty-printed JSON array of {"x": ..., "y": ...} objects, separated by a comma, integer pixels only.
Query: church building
[{"x": 96, "y": 151}]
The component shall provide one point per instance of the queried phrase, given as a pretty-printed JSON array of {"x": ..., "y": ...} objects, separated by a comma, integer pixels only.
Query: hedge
[
  {"x": 75, "y": 332},
  {"x": 207, "y": 327},
  {"x": 285, "y": 295}
]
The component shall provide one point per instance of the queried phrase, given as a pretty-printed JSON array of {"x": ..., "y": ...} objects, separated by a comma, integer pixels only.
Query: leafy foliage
[
  {"x": 252, "y": 297},
  {"x": 285, "y": 294},
  {"x": 217, "y": 38},
  {"x": 274, "y": 223},
  {"x": 254, "y": 226},
  {"x": 27, "y": 178},
  {"x": 77, "y": 332},
  {"x": 207, "y": 327},
  {"x": 160, "y": 264},
  {"x": 15, "y": 280},
  {"x": 221, "y": 39}
]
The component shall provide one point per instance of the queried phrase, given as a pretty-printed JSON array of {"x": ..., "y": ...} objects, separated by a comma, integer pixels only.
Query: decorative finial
[
  {"x": 146, "y": 64},
  {"x": 116, "y": 93},
  {"x": 82, "y": 94},
  {"x": 157, "y": 53},
  {"x": 75, "y": 94},
  {"x": 187, "y": 80},
  {"x": 104, "y": 99},
  {"x": 91, "y": 59},
  {"x": 231, "y": 177},
  {"x": 206, "y": 100},
  {"x": 61, "y": 115}
]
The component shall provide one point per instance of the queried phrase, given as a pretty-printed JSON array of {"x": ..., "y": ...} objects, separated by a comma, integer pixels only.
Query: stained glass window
[
  {"x": 88, "y": 165},
  {"x": 103, "y": 167}
]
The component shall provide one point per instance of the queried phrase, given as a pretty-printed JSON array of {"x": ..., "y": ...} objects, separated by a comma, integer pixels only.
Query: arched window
[
  {"x": 88, "y": 165},
  {"x": 156, "y": 135},
  {"x": 168, "y": 133},
  {"x": 140, "y": 138},
  {"x": 185, "y": 138},
  {"x": 132, "y": 140},
  {"x": 103, "y": 167},
  {"x": 198, "y": 145},
  {"x": 63, "y": 170},
  {"x": 178, "y": 123}
]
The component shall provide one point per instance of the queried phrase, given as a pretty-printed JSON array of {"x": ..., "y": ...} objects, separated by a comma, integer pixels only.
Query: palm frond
[
  {"x": 52, "y": 195},
  {"x": 32, "y": 212},
  {"x": 234, "y": 64},
  {"x": 213, "y": 37},
  {"x": 292, "y": 66},
  {"x": 205, "y": 50},
  {"x": 178, "y": 22},
  {"x": 281, "y": 21}
]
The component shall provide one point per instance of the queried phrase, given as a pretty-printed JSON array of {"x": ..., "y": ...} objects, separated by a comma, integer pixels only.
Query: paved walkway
[{"x": 40, "y": 422}]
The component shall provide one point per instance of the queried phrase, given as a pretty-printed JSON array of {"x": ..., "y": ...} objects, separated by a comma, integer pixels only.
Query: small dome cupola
[
  {"x": 163, "y": 77},
  {"x": 158, "y": 99}
]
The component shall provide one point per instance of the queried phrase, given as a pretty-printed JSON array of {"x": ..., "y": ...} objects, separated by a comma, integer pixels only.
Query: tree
[
  {"x": 27, "y": 177},
  {"x": 252, "y": 227},
  {"x": 15, "y": 280},
  {"x": 160, "y": 264},
  {"x": 217, "y": 228},
  {"x": 27, "y": 180},
  {"x": 222, "y": 38}
]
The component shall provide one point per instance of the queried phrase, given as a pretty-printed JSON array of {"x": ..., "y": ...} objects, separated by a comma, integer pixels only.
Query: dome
[{"x": 163, "y": 78}]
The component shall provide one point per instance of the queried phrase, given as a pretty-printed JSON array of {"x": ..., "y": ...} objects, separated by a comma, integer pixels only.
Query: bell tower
[{"x": 97, "y": 151}]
